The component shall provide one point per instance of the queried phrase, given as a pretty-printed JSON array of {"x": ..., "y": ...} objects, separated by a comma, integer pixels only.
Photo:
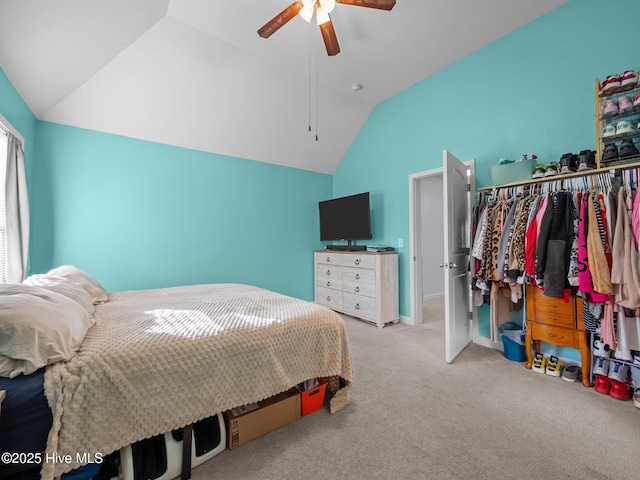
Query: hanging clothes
[
  {"x": 625, "y": 268},
  {"x": 559, "y": 247}
]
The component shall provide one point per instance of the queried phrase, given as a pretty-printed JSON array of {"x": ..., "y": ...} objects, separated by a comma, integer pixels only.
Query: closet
[{"x": 564, "y": 251}]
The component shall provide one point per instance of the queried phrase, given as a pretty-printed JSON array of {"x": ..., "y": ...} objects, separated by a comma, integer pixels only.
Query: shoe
[
  {"x": 563, "y": 164},
  {"x": 636, "y": 399},
  {"x": 635, "y": 376},
  {"x": 550, "y": 170},
  {"x": 623, "y": 127},
  {"x": 636, "y": 100},
  {"x": 610, "y": 85},
  {"x": 610, "y": 153},
  {"x": 601, "y": 349},
  {"x": 539, "y": 364},
  {"x": 539, "y": 171},
  {"x": 571, "y": 373},
  {"x": 601, "y": 367},
  {"x": 618, "y": 371},
  {"x": 625, "y": 104},
  {"x": 603, "y": 385},
  {"x": 609, "y": 108},
  {"x": 621, "y": 390},
  {"x": 628, "y": 80},
  {"x": 609, "y": 131},
  {"x": 628, "y": 148},
  {"x": 586, "y": 160},
  {"x": 554, "y": 366}
]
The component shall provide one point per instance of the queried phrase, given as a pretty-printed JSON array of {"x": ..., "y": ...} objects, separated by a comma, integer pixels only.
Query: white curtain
[{"x": 16, "y": 204}]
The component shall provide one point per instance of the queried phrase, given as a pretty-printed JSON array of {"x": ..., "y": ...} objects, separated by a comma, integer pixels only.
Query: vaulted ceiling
[{"x": 195, "y": 74}]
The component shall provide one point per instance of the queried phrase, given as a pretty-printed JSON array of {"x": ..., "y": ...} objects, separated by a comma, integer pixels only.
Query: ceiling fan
[{"x": 322, "y": 9}]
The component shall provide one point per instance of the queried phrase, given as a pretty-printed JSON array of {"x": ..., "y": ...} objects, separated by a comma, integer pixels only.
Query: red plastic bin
[{"x": 312, "y": 400}]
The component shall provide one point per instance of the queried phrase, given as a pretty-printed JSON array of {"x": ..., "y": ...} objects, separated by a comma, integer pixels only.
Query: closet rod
[{"x": 565, "y": 176}]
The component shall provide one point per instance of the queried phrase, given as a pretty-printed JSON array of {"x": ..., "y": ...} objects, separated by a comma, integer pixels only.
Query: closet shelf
[{"x": 630, "y": 162}]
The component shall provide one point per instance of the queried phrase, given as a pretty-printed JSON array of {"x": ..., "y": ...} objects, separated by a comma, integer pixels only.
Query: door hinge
[
  {"x": 468, "y": 187},
  {"x": 470, "y": 315}
]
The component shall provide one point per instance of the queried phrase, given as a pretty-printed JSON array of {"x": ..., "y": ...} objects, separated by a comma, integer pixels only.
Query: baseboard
[
  {"x": 432, "y": 296},
  {"x": 406, "y": 320}
]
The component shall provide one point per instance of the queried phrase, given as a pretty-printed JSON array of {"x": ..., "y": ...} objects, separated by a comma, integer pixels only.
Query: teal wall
[
  {"x": 530, "y": 92},
  {"x": 138, "y": 214}
]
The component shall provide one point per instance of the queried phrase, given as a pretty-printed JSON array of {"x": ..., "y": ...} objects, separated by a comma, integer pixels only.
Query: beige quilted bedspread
[{"x": 161, "y": 359}]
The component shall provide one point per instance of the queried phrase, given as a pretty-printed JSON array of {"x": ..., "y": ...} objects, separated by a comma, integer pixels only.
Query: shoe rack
[{"x": 604, "y": 120}]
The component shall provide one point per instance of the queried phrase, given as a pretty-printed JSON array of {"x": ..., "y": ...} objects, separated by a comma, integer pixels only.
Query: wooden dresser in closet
[{"x": 557, "y": 322}]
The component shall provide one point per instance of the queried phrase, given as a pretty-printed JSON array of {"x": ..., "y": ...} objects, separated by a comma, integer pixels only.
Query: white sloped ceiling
[{"x": 194, "y": 73}]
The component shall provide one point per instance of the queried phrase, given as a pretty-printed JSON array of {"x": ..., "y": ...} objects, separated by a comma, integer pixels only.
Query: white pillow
[
  {"x": 64, "y": 287},
  {"x": 82, "y": 278},
  {"x": 38, "y": 327}
]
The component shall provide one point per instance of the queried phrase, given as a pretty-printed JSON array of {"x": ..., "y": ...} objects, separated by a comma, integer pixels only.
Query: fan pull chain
[
  {"x": 313, "y": 82},
  {"x": 310, "y": 72},
  {"x": 317, "y": 103}
]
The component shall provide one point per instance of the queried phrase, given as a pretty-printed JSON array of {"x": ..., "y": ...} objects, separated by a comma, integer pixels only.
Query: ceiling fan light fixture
[
  {"x": 327, "y": 5},
  {"x": 306, "y": 13},
  {"x": 321, "y": 16}
]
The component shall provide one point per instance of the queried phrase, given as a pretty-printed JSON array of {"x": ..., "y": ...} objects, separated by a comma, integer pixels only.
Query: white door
[{"x": 456, "y": 195}]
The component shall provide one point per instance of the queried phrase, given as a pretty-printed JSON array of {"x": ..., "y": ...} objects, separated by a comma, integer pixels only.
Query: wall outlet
[{"x": 400, "y": 242}]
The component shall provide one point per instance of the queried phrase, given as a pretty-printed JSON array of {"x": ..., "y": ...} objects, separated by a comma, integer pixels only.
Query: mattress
[{"x": 25, "y": 418}]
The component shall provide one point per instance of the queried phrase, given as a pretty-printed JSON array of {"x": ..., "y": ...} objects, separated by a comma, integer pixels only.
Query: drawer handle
[
  {"x": 357, "y": 289},
  {"x": 551, "y": 335},
  {"x": 357, "y": 261},
  {"x": 328, "y": 259},
  {"x": 328, "y": 298},
  {"x": 328, "y": 284},
  {"x": 357, "y": 306},
  {"x": 357, "y": 276},
  {"x": 328, "y": 272}
]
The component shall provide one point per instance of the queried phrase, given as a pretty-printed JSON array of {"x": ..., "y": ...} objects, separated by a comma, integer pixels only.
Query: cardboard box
[{"x": 252, "y": 421}]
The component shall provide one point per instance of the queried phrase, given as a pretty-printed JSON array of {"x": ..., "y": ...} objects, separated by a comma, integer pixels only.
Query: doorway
[{"x": 426, "y": 227}]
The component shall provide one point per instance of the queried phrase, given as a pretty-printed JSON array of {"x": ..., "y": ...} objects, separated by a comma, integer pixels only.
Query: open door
[{"x": 456, "y": 194}]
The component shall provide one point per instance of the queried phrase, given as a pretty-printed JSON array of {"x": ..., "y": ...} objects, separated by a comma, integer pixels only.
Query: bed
[{"x": 156, "y": 360}]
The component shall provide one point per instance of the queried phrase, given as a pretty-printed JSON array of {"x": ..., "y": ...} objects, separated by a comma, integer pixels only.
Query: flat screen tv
[{"x": 345, "y": 218}]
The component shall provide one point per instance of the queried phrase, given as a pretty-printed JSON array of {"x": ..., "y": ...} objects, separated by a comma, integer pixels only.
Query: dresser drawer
[
  {"x": 333, "y": 282},
  {"x": 359, "y": 261},
  {"x": 360, "y": 288},
  {"x": 331, "y": 271},
  {"x": 555, "y": 317},
  {"x": 361, "y": 275},
  {"x": 359, "y": 306},
  {"x": 329, "y": 298},
  {"x": 554, "y": 335},
  {"x": 329, "y": 258}
]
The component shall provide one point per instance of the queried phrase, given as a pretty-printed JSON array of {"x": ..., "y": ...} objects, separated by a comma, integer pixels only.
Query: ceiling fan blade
[
  {"x": 330, "y": 39},
  {"x": 273, "y": 25},
  {"x": 379, "y": 4}
]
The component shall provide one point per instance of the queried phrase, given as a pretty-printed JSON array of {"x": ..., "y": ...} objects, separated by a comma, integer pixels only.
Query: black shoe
[
  {"x": 586, "y": 160},
  {"x": 574, "y": 162},
  {"x": 628, "y": 148},
  {"x": 563, "y": 164},
  {"x": 610, "y": 153}
]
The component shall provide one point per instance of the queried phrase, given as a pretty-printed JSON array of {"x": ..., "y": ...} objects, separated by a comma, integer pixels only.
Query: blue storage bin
[{"x": 513, "y": 340}]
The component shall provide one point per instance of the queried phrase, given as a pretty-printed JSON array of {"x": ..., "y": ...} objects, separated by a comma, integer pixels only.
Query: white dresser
[{"x": 360, "y": 284}]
